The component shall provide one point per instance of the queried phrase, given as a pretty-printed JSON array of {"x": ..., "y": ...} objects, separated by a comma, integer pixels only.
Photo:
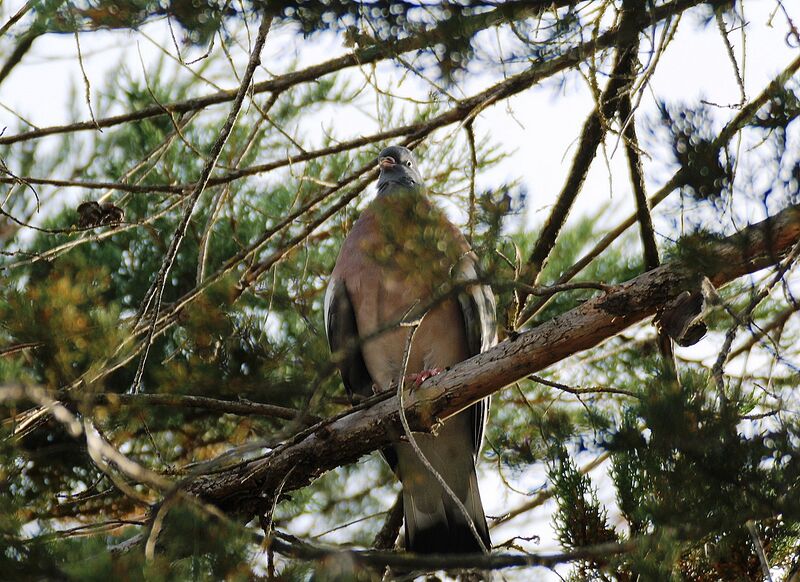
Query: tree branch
[
  {"x": 155, "y": 293},
  {"x": 359, "y": 57},
  {"x": 678, "y": 180},
  {"x": 385, "y": 538},
  {"x": 293, "y": 547},
  {"x": 648, "y": 236},
  {"x": 345, "y": 439},
  {"x": 592, "y": 135},
  {"x": 762, "y": 331},
  {"x": 241, "y": 407}
]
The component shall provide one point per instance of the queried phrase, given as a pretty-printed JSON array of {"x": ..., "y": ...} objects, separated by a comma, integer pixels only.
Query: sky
[{"x": 539, "y": 128}]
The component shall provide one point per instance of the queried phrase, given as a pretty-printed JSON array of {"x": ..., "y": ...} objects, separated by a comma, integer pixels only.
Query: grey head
[{"x": 398, "y": 166}]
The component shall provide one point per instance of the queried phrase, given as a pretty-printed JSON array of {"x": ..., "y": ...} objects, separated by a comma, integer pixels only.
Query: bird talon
[{"x": 419, "y": 377}]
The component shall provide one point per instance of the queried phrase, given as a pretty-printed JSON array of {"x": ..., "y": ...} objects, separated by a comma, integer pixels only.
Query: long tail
[{"x": 434, "y": 524}]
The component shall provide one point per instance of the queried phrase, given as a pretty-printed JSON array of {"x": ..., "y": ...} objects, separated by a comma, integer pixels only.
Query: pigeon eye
[{"x": 408, "y": 163}]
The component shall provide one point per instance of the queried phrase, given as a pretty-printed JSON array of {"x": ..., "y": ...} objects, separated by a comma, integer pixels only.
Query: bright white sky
[
  {"x": 542, "y": 132},
  {"x": 540, "y": 127}
]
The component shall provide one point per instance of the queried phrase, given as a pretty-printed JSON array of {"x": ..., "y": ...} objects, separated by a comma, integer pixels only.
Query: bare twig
[
  {"x": 241, "y": 407},
  {"x": 11, "y": 350},
  {"x": 156, "y": 292},
  {"x": 592, "y": 135},
  {"x": 385, "y": 538},
  {"x": 731, "y": 56},
  {"x": 16, "y": 16},
  {"x": 293, "y": 547},
  {"x": 678, "y": 179},
  {"x": 587, "y": 390},
  {"x": 275, "y": 496},
  {"x": 87, "y": 88},
  {"x": 550, "y": 290},
  {"x": 473, "y": 165},
  {"x": 762, "y": 557},
  {"x": 776, "y": 323}
]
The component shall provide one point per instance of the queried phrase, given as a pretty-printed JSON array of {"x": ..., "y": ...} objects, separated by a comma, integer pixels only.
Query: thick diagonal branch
[{"x": 345, "y": 439}]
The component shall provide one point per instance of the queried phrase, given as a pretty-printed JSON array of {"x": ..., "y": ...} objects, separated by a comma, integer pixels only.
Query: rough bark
[{"x": 343, "y": 440}]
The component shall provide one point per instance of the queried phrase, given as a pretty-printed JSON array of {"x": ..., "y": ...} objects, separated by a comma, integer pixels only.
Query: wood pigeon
[{"x": 401, "y": 253}]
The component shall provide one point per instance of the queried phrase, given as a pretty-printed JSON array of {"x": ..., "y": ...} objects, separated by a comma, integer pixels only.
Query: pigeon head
[{"x": 397, "y": 165}]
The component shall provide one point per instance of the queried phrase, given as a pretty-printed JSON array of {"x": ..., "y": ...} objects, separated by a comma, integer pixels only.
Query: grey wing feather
[
  {"x": 479, "y": 310},
  {"x": 343, "y": 339},
  {"x": 341, "y": 329}
]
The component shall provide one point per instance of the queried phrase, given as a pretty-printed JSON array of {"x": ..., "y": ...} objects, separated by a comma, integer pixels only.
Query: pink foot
[{"x": 419, "y": 377}]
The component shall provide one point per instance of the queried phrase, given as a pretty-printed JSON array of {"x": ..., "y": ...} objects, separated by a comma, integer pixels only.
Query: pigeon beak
[{"x": 386, "y": 163}]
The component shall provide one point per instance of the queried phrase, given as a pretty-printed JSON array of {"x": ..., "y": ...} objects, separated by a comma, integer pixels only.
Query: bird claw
[{"x": 419, "y": 377}]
